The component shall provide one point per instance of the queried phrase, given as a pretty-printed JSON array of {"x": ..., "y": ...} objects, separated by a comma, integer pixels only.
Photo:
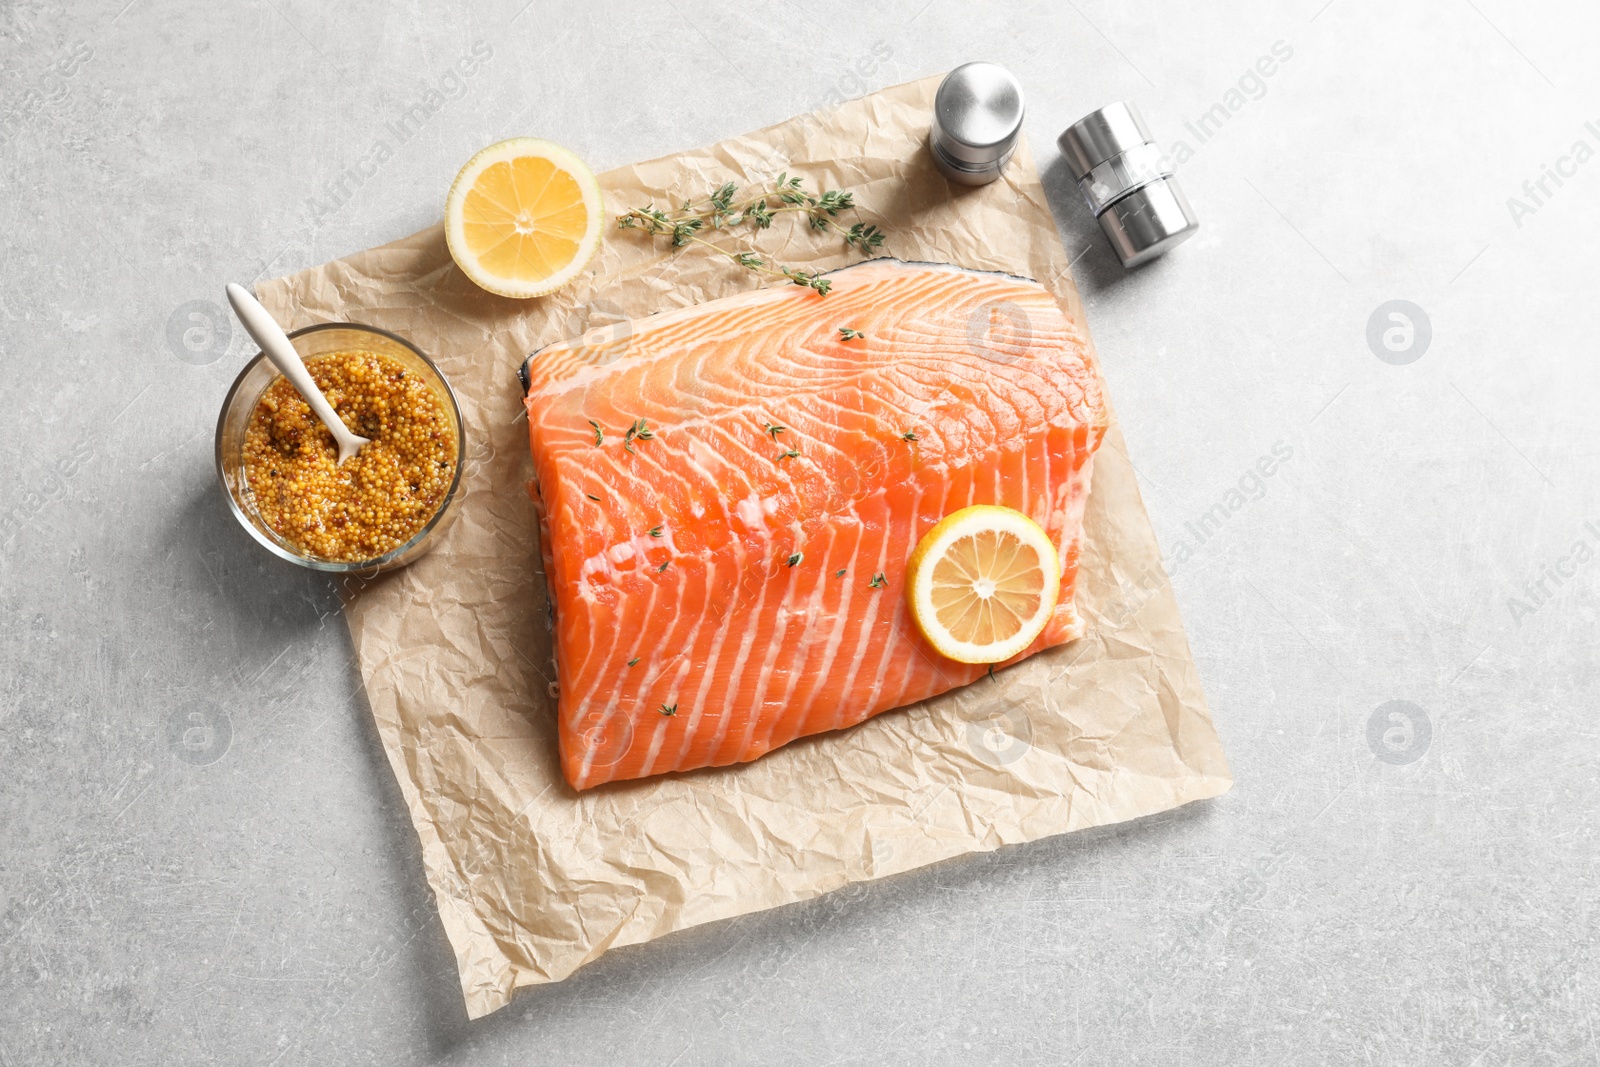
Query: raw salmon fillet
[{"x": 715, "y": 574}]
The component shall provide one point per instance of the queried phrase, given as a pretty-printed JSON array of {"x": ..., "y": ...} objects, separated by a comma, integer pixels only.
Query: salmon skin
[{"x": 729, "y": 494}]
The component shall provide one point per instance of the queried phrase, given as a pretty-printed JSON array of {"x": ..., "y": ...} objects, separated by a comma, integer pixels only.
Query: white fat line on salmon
[
  {"x": 807, "y": 612},
  {"x": 614, "y": 708},
  {"x": 754, "y": 507},
  {"x": 840, "y": 621},
  {"x": 719, "y": 641},
  {"x": 899, "y": 618}
]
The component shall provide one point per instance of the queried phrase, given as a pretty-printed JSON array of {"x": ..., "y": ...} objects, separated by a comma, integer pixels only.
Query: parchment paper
[{"x": 534, "y": 880}]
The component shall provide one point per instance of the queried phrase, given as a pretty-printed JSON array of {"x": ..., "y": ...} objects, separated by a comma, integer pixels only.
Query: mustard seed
[{"x": 374, "y": 502}]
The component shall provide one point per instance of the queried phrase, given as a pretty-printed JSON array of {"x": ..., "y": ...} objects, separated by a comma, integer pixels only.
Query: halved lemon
[
  {"x": 982, "y": 584},
  {"x": 524, "y": 216}
]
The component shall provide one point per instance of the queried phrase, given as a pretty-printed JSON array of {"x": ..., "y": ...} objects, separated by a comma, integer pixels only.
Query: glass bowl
[{"x": 241, "y": 401}]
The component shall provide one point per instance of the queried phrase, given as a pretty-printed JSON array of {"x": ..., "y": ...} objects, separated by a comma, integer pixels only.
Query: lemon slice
[
  {"x": 524, "y": 217},
  {"x": 982, "y": 584}
]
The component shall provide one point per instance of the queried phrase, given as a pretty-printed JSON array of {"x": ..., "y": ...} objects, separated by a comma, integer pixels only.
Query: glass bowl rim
[{"x": 376, "y": 563}]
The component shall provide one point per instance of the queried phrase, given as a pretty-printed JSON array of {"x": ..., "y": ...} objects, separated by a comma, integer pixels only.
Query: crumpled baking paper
[{"x": 532, "y": 879}]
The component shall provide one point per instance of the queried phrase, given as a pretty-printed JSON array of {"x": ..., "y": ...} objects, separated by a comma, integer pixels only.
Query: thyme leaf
[
  {"x": 796, "y": 558},
  {"x": 847, "y": 334},
  {"x": 878, "y": 582},
  {"x": 723, "y": 208},
  {"x": 866, "y": 238},
  {"x": 669, "y": 709},
  {"x": 599, "y": 434}
]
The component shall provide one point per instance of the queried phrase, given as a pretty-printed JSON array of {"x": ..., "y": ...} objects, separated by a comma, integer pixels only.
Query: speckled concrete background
[{"x": 203, "y": 856}]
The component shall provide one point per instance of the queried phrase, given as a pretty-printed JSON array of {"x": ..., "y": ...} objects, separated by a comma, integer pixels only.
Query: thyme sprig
[
  {"x": 637, "y": 432},
  {"x": 724, "y": 210}
]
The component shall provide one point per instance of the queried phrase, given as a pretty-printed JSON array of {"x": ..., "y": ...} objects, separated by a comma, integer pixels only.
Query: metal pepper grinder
[
  {"x": 1128, "y": 183},
  {"x": 977, "y": 117}
]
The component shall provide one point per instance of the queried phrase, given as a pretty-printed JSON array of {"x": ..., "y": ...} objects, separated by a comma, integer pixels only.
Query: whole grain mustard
[{"x": 377, "y": 500}]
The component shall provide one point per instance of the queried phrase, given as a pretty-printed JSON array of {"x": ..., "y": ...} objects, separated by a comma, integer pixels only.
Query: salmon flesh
[{"x": 729, "y": 493}]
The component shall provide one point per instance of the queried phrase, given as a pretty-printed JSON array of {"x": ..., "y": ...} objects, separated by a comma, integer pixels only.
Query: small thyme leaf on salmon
[
  {"x": 599, "y": 434},
  {"x": 637, "y": 432},
  {"x": 591, "y": 496},
  {"x": 662, "y": 567},
  {"x": 796, "y": 558},
  {"x": 809, "y": 279},
  {"x": 655, "y": 531},
  {"x": 847, "y": 334},
  {"x": 791, "y": 454},
  {"x": 727, "y": 386}
]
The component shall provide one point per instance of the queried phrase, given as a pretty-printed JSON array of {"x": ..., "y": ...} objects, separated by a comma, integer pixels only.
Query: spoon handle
[{"x": 275, "y": 343}]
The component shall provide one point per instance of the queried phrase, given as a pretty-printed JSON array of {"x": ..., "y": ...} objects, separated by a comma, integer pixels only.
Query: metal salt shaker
[
  {"x": 977, "y": 117},
  {"x": 1128, "y": 182}
]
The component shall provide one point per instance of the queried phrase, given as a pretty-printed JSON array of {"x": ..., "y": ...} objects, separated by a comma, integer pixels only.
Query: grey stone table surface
[{"x": 204, "y": 857}]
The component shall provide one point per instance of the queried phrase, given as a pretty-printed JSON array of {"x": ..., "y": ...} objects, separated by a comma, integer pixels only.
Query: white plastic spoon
[{"x": 270, "y": 336}]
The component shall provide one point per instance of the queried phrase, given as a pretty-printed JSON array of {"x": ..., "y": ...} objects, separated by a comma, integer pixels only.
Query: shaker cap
[
  {"x": 977, "y": 114},
  {"x": 1102, "y": 134}
]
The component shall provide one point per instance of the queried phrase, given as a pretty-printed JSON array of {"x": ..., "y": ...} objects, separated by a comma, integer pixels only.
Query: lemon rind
[
  {"x": 934, "y": 544},
  {"x": 514, "y": 148}
]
